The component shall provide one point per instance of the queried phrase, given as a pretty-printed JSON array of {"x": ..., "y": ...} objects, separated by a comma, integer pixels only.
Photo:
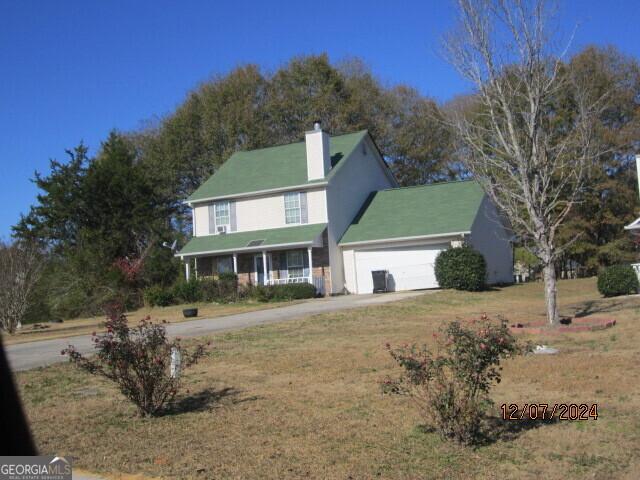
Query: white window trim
[
  {"x": 215, "y": 215},
  {"x": 299, "y": 208}
]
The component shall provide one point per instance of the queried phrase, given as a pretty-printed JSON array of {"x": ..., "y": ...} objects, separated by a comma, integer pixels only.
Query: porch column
[
  {"x": 195, "y": 267},
  {"x": 235, "y": 263},
  {"x": 310, "y": 264},
  {"x": 187, "y": 270},
  {"x": 264, "y": 266}
]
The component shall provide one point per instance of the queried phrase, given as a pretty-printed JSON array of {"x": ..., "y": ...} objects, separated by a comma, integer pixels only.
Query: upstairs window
[
  {"x": 292, "y": 208},
  {"x": 222, "y": 215}
]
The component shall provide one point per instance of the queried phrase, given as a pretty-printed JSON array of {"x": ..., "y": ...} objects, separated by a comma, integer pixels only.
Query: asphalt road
[{"x": 25, "y": 356}]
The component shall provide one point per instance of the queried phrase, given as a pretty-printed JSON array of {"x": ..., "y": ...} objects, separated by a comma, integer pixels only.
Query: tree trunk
[{"x": 551, "y": 293}]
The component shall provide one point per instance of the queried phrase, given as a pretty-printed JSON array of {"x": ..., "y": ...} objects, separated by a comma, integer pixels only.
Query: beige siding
[
  {"x": 317, "y": 206},
  {"x": 490, "y": 238},
  {"x": 201, "y": 215},
  {"x": 348, "y": 258},
  {"x": 346, "y": 193},
  {"x": 265, "y": 212},
  {"x": 260, "y": 213}
]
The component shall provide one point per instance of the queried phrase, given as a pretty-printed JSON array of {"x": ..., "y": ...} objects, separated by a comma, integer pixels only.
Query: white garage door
[{"x": 410, "y": 268}]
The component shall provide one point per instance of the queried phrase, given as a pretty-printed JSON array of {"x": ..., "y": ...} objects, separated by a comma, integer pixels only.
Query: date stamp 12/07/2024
[{"x": 547, "y": 411}]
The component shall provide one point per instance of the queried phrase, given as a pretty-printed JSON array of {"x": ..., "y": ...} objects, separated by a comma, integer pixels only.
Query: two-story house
[{"x": 328, "y": 211}]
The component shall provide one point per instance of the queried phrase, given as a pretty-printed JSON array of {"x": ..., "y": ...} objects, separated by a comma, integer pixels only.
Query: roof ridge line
[
  {"x": 296, "y": 143},
  {"x": 429, "y": 185}
]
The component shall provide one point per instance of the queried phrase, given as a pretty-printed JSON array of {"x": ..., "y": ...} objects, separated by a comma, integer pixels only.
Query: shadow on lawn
[
  {"x": 584, "y": 309},
  {"x": 495, "y": 429},
  {"x": 493, "y": 288},
  {"x": 207, "y": 399}
]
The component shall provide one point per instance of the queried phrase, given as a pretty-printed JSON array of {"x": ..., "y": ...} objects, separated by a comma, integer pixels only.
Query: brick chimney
[{"x": 318, "y": 158}]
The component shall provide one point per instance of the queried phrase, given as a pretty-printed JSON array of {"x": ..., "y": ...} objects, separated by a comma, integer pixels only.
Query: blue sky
[{"x": 73, "y": 70}]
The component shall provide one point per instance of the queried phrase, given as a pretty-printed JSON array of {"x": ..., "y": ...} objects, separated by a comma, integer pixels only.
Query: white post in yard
[
  {"x": 264, "y": 266},
  {"x": 235, "y": 263},
  {"x": 310, "y": 265},
  {"x": 176, "y": 360},
  {"x": 187, "y": 270}
]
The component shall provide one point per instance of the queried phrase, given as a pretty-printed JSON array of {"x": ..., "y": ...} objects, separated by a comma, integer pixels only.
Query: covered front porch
[
  {"x": 272, "y": 267},
  {"x": 268, "y": 257}
]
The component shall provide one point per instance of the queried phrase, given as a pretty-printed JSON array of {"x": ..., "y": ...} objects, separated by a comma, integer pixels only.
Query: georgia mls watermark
[{"x": 42, "y": 467}]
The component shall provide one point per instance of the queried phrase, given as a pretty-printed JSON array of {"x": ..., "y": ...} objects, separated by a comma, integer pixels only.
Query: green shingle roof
[
  {"x": 273, "y": 167},
  {"x": 416, "y": 211},
  {"x": 230, "y": 242}
]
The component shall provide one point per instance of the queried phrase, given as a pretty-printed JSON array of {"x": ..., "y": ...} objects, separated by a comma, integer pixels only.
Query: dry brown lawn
[
  {"x": 172, "y": 314},
  {"x": 300, "y": 399}
]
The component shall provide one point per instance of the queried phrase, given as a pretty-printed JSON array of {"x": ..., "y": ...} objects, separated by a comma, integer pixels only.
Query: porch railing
[{"x": 317, "y": 282}]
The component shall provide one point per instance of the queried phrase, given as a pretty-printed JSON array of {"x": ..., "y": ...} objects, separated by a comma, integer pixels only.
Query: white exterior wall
[
  {"x": 201, "y": 218},
  {"x": 492, "y": 239},
  {"x": 346, "y": 194},
  {"x": 264, "y": 212},
  {"x": 316, "y": 206},
  {"x": 349, "y": 268}
]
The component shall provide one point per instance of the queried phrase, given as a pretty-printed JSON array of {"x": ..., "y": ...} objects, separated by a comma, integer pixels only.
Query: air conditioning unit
[{"x": 222, "y": 229}]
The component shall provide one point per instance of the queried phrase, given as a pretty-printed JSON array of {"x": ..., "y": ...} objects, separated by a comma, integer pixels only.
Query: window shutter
[
  {"x": 232, "y": 216},
  {"x": 305, "y": 261},
  {"x": 284, "y": 207},
  {"x": 283, "y": 273},
  {"x": 212, "y": 219},
  {"x": 304, "y": 214}
]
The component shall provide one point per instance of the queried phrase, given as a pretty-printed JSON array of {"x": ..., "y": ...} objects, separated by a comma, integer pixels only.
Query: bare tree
[
  {"x": 20, "y": 268},
  {"x": 531, "y": 161}
]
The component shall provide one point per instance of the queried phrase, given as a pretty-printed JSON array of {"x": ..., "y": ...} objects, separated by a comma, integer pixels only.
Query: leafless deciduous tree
[
  {"x": 20, "y": 268},
  {"x": 531, "y": 160}
]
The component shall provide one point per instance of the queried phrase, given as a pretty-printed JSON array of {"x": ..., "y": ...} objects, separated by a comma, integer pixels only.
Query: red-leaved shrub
[{"x": 138, "y": 360}]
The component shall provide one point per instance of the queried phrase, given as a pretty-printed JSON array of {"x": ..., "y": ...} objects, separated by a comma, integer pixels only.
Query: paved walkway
[{"x": 24, "y": 356}]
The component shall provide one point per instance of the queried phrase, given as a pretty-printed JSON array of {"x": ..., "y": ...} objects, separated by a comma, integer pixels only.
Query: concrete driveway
[{"x": 24, "y": 356}]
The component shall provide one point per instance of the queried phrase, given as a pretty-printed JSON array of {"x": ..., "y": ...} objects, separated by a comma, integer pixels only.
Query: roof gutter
[
  {"x": 304, "y": 186},
  {"x": 405, "y": 239}
]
